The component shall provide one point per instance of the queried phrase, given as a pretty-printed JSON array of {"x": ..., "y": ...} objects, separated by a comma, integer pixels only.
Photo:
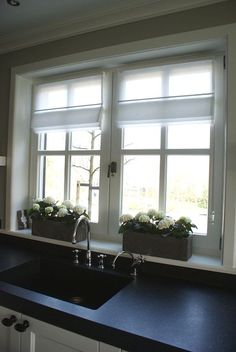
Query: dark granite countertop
[{"x": 150, "y": 314}]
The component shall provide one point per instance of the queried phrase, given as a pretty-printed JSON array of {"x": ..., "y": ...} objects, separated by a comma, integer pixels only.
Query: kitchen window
[{"x": 160, "y": 124}]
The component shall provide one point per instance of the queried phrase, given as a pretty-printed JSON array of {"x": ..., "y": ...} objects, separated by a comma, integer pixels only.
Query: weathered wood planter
[
  {"x": 158, "y": 246},
  {"x": 60, "y": 230}
]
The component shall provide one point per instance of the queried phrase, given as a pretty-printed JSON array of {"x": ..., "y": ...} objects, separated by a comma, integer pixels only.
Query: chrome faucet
[
  {"x": 88, "y": 236},
  {"x": 135, "y": 261}
]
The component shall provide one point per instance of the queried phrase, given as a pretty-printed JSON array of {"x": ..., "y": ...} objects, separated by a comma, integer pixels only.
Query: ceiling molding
[{"x": 134, "y": 10}]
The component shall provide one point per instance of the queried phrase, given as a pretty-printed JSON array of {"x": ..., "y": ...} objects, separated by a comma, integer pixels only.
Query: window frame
[
  {"x": 112, "y": 203},
  {"x": 211, "y": 243}
]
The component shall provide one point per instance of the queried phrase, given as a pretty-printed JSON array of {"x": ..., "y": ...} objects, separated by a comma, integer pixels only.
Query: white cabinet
[
  {"x": 43, "y": 337},
  {"x": 9, "y": 337},
  {"x": 38, "y": 336}
]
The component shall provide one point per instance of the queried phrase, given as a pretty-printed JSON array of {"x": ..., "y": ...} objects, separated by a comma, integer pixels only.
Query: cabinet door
[
  {"x": 43, "y": 337},
  {"x": 108, "y": 348},
  {"x": 9, "y": 337}
]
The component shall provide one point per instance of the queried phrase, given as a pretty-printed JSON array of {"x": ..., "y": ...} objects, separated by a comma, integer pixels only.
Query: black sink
[{"x": 77, "y": 284}]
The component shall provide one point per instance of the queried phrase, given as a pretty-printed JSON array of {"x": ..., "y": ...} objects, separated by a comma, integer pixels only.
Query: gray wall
[{"x": 202, "y": 17}]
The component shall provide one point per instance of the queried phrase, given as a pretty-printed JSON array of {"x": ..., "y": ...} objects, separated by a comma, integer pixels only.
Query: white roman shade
[
  {"x": 68, "y": 105},
  {"x": 170, "y": 93}
]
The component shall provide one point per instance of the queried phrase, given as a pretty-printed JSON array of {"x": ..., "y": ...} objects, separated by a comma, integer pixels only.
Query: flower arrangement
[
  {"x": 48, "y": 208},
  {"x": 156, "y": 222}
]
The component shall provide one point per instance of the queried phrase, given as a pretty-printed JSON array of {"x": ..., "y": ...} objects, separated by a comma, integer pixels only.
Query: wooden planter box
[
  {"x": 157, "y": 246},
  {"x": 59, "y": 230}
]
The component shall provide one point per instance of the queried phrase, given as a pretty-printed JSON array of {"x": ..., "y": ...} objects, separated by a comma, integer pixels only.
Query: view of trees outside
[
  {"x": 187, "y": 176},
  {"x": 84, "y": 173}
]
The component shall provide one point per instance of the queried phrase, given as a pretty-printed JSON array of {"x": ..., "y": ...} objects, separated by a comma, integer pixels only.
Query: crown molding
[{"x": 134, "y": 10}]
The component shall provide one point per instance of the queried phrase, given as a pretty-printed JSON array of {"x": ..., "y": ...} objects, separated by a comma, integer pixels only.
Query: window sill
[{"x": 197, "y": 261}]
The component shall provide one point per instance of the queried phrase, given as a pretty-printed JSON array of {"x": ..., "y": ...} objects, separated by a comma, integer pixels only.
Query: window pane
[
  {"x": 52, "y": 176},
  {"x": 140, "y": 84},
  {"x": 187, "y": 79},
  {"x": 52, "y": 141},
  {"x": 51, "y": 96},
  {"x": 85, "y": 173},
  {"x": 187, "y": 188},
  {"x": 142, "y": 137},
  {"x": 191, "y": 136},
  {"x": 86, "y": 91},
  {"x": 140, "y": 183},
  {"x": 86, "y": 140}
]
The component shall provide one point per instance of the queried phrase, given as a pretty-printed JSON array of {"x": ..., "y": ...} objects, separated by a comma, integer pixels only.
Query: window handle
[{"x": 112, "y": 169}]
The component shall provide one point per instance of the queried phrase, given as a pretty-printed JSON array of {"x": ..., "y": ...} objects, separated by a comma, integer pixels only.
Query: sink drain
[{"x": 76, "y": 299}]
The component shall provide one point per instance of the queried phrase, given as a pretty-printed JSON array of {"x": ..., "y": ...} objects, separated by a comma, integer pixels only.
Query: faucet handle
[
  {"x": 101, "y": 260},
  {"x": 76, "y": 255},
  {"x": 137, "y": 262}
]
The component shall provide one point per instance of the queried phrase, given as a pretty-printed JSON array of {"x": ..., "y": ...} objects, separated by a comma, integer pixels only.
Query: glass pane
[
  {"x": 85, "y": 173},
  {"x": 140, "y": 183},
  {"x": 86, "y": 91},
  {"x": 52, "y": 176},
  {"x": 187, "y": 79},
  {"x": 86, "y": 140},
  {"x": 51, "y": 96},
  {"x": 142, "y": 137},
  {"x": 140, "y": 84},
  {"x": 52, "y": 141},
  {"x": 187, "y": 188},
  {"x": 192, "y": 136}
]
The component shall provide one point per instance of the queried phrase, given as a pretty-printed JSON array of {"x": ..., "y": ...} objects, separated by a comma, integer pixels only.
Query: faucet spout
[
  {"x": 84, "y": 219},
  {"x": 118, "y": 255},
  {"x": 135, "y": 261}
]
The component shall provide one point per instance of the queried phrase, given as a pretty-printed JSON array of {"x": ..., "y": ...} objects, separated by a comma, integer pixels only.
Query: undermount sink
[{"x": 63, "y": 280}]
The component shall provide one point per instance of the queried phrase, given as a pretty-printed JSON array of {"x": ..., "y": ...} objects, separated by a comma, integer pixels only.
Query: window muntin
[
  {"x": 180, "y": 184},
  {"x": 83, "y": 184}
]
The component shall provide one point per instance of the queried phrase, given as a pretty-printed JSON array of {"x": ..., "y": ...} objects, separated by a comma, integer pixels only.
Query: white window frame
[{"x": 110, "y": 189}]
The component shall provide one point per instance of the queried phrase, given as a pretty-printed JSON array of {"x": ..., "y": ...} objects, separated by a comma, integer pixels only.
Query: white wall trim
[{"x": 134, "y": 10}]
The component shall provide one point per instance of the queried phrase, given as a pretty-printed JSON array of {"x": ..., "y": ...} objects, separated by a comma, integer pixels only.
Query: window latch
[{"x": 112, "y": 169}]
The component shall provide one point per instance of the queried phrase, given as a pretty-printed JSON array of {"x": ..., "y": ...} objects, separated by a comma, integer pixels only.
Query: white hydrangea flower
[
  {"x": 68, "y": 204},
  {"x": 144, "y": 218},
  {"x": 38, "y": 200},
  {"x": 126, "y": 217},
  {"x": 152, "y": 213},
  {"x": 48, "y": 210},
  {"x": 160, "y": 215},
  {"x": 62, "y": 212},
  {"x": 185, "y": 219},
  {"x": 137, "y": 216},
  {"x": 79, "y": 209},
  {"x": 62, "y": 206},
  {"x": 49, "y": 200},
  {"x": 165, "y": 223},
  {"x": 36, "y": 207}
]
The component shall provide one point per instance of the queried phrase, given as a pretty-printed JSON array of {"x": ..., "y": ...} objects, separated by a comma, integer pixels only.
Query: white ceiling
[{"x": 37, "y": 21}]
